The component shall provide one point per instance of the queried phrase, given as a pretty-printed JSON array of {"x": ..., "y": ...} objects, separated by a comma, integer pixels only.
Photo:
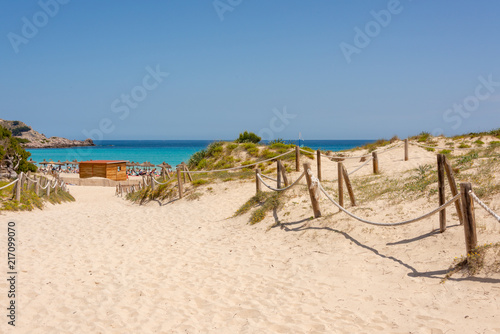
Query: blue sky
[{"x": 211, "y": 69}]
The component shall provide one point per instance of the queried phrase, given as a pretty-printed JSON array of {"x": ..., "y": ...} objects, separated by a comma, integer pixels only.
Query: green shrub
[
  {"x": 215, "y": 149},
  {"x": 195, "y": 159},
  {"x": 463, "y": 145},
  {"x": 199, "y": 182},
  {"x": 479, "y": 142},
  {"x": 495, "y": 143},
  {"x": 19, "y": 130},
  {"x": 423, "y": 137},
  {"x": 248, "y": 137}
]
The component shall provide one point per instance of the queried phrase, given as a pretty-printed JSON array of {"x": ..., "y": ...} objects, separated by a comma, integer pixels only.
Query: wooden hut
[{"x": 111, "y": 169}]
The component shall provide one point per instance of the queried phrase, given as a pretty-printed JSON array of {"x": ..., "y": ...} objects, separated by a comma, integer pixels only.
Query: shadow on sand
[{"x": 301, "y": 225}]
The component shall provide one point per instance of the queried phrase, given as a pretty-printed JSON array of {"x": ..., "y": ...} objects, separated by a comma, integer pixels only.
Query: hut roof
[{"x": 103, "y": 162}]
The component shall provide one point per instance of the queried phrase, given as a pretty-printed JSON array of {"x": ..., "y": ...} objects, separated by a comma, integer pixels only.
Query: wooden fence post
[
  {"x": 340, "y": 176},
  {"x": 313, "y": 191},
  {"x": 257, "y": 181},
  {"x": 48, "y": 187},
  {"x": 318, "y": 163},
  {"x": 28, "y": 183},
  {"x": 375, "y": 162},
  {"x": 283, "y": 173},
  {"x": 152, "y": 180},
  {"x": 187, "y": 172},
  {"x": 37, "y": 186},
  {"x": 348, "y": 185},
  {"x": 19, "y": 186},
  {"x": 179, "y": 181},
  {"x": 441, "y": 188},
  {"x": 278, "y": 178},
  {"x": 469, "y": 217},
  {"x": 406, "y": 149},
  {"x": 297, "y": 158},
  {"x": 453, "y": 188}
]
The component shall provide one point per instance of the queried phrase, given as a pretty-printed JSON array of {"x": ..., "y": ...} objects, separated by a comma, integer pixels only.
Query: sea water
[{"x": 172, "y": 152}]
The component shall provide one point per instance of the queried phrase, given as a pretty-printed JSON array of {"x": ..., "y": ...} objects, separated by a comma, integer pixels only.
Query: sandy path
[{"x": 103, "y": 265}]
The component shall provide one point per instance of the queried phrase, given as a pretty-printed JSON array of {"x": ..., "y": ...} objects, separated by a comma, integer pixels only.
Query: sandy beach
[{"x": 104, "y": 265}]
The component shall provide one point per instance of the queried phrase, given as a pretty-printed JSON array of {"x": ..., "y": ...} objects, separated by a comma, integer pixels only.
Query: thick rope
[
  {"x": 363, "y": 165},
  {"x": 442, "y": 148},
  {"x": 34, "y": 181},
  {"x": 484, "y": 206},
  {"x": 280, "y": 189},
  {"x": 269, "y": 178},
  {"x": 9, "y": 184},
  {"x": 239, "y": 167},
  {"x": 451, "y": 201},
  {"x": 160, "y": 183}
]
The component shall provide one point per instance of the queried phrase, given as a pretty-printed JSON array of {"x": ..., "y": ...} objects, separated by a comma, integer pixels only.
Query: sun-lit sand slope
[{"x": 104, "y": 265}]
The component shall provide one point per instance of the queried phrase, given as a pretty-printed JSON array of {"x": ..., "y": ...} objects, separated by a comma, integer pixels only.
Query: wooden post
[
  {"x": 297, "y": 158},
  {"x": 257, "y": 181},
  {"x": 375, "y": 162},
  {"x": 318, "y": 163},
  {"x": 48, "y": 187},
  {"x": 406, "y": 149},
  {"x": 183, "y": 174},
  {"x": 469, "y": 217},
  {"x": 442, "y": 213},
  {"x": 348, "y": 185},
  {"x": 283, "y": 173},
  {"x": 313, "y": 191},
  {"x": 187, "y": 172},
  {"x": 179, "y": 181},
  {"x": 19, "y": 185},
  {"x": 152, "y": 180},
  {"x": 120, "y": 189},
  {"x": 279, "y": 174},
  {"x": 340, "y": 176},
  {"x": 453, "y": 188},
  {"x": 144, "y": 180},
  {"x": 56, "y": 188},
  {"x": 37, "y": 186}
]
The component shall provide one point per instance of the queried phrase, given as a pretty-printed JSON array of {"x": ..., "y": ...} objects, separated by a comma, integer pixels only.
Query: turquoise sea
[{"x": 172, "y": 152}]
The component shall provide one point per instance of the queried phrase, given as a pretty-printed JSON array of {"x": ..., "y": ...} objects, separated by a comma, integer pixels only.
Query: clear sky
[{"x": 193, "y": 69}]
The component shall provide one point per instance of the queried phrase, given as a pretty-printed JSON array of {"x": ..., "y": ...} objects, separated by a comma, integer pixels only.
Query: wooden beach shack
[{"x": 111, "y": 169}]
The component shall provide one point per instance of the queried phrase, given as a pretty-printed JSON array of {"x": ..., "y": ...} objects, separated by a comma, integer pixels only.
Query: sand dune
[{"x": 104, "y": 265}]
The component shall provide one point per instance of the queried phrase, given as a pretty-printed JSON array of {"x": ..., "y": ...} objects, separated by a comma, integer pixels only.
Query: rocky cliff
[{"x": 30, "y": 138}]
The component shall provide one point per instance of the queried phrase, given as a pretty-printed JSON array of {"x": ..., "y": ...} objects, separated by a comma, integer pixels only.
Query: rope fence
[
  {"x": 463, "y": 200},
  {"x": 259, "y": 176},
  {"x": 238, "y": 167},
  {"x": 25, "y": 183},
  {"x": 484, "y": 206}
]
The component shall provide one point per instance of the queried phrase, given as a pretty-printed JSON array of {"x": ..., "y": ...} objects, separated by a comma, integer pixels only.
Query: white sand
[{"x": 104, "y": 265}]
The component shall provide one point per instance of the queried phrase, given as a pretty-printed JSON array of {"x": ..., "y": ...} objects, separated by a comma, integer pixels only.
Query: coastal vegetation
[
  {"x": 13, "y": 157},
  {"x": 29, "y": 199},
  {"x": 223, "y": 155}
]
